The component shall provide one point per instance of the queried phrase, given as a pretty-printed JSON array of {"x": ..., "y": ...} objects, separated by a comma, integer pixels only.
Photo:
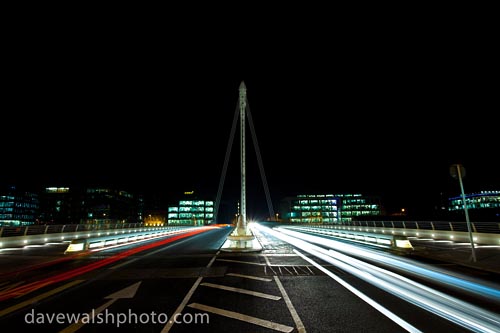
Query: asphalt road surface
[{"x": 187, "y": 284}]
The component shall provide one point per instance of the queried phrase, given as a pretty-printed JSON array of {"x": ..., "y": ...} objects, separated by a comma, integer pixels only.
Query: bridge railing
[
  {"x": 11, "y": 231},
  {"x": 482, "y": 227},
  {"x": 485, "y": 233}
]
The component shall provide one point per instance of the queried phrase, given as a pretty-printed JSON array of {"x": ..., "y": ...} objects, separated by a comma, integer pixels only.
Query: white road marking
[
  {"x": 392, "y": 316},
  {"x": 128, "y": 292},
  {"x": 186, "y": 299},
  {"x": 241, "y": 291},
  {"x": 242, "y": 317},
  {"x": 291, "y": 308},
  {"x": 249, "y": 277},
  {"x": 242, "y": 262}
]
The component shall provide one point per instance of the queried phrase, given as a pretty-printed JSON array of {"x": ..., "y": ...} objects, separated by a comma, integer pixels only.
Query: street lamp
[{"x": 458, "y": 171}]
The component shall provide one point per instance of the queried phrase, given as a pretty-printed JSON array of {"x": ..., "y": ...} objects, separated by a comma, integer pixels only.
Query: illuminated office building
[
  {"x": 481, "y": 205},
  {"x": 328, "y": 208},
  {"x": 191, "y": 212},
  {"x": 18, "y": 207},
  {"x": 358, "y": 206}
]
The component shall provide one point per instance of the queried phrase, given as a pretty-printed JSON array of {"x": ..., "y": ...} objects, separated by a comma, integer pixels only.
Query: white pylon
[{"x": 242, "y": 238}]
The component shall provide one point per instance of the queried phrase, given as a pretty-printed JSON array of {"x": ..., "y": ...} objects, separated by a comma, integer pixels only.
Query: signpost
[{"x": 458, "y": 171}]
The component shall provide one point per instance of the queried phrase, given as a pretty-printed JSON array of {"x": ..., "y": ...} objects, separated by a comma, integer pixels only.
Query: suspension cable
[
  {"x": 226, "y": 162},
  {"x": 259, "y": 160}
]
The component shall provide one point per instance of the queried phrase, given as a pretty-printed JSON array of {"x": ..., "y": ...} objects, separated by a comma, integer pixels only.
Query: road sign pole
[{"x": 471, "y": 238}]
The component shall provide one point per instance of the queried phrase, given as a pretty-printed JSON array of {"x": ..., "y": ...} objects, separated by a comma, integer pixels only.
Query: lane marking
[
  {"x": 242, "y": 291},
  {"x": 242, "y": 317},
  {"x": 127, "y": 292},
  {"x": 39, "y": 297},
  {"x": 296, "y": 319},
  {"x": 249, "y": 277},
  {"x": 76, "y": 326},
  {"x": 392, "y": 316},
  {"x": 186, "y": 299},
  {"x": 243, "y": 262},
  {"x": 267, "y": 261},
  {"x": 124, "y": 263}
]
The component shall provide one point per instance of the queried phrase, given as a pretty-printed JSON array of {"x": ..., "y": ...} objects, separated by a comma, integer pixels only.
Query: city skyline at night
[{"x": 391, "y": 127}]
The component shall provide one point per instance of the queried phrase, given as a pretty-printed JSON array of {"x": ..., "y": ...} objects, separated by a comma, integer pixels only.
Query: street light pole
[{"x": 471, "y": 238}]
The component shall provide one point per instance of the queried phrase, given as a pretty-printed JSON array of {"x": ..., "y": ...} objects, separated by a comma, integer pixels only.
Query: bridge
[{"x": 376, "y": 276}]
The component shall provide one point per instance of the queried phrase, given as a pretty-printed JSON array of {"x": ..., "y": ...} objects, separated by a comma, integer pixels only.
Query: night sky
[{"x": 386, "y": 120}]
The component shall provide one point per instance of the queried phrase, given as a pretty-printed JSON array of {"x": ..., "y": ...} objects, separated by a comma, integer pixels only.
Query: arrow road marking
[{"x": 128, "y": 292}]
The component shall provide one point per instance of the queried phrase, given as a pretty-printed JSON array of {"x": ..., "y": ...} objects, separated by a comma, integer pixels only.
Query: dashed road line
[{"x": 242, "y": 317}]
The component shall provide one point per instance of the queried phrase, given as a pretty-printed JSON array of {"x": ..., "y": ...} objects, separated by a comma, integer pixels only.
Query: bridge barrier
[
  {"x": 482, "y": 238},
  {"x": 10, "y": 231},
  {"x": 480, "y": 227},
  {"x": 90, "y": 243},
  {"x": 388, "y": 240},
  {"x": 44, "y": 238}
]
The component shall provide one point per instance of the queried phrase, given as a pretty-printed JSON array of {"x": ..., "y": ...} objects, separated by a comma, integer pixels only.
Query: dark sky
[{"x": 383, "y": 119}]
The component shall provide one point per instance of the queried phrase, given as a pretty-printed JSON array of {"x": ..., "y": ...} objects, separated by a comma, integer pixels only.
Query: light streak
[{"x": 445, "y": 306}]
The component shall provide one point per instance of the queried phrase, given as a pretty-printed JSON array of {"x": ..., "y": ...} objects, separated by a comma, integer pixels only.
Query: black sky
[{"x": 383, "y": 119}]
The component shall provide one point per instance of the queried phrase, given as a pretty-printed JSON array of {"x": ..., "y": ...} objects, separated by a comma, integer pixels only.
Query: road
[{"x": 139, "y": 288}]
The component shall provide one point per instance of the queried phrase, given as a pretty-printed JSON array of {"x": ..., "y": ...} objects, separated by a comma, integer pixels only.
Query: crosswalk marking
[{"x": 242, "y": 317}]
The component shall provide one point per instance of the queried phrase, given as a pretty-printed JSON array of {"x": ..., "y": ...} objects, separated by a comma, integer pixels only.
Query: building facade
[
  {"x": 59, "y": 205},
  {"x": 18, "y": 207},
  {"x": 191, "y": 211},
  {"x": 483, "y": 205},
  {"x": 328, "y": 208},
  {"x": 110, "y": 206}
]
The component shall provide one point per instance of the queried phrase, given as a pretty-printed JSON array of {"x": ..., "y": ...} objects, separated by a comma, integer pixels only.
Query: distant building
[
  {"x": 18, "y": 207},
  {"x": 484, "y": 205},
  {"x": 328, "y": 208},
  {"x": 110, "y": 206},
  {"x": 59, "y": 205},
  {"x": 191, "y": 211},
  {"x": 358, "y": 206}
]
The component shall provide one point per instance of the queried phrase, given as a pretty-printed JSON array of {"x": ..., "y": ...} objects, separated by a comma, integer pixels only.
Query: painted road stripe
[
  {"x": 125, "y": 263},
  {"x": 267, "y": 261},
  {"x": 39, "y": 297},
  {"x": 291, "y": 308},
  {"x": 242, "y": 291},
  {"x": 242, "y": 262},
  {"x": 186, "y": 299},
  {"x": 242, "y": 317},
  {"x": 392, "y": 316},
  {"x": 249, "y": 277}
]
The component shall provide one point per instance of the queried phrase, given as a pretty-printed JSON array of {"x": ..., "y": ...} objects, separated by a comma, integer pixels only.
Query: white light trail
[{"x": 448, "y": 307}]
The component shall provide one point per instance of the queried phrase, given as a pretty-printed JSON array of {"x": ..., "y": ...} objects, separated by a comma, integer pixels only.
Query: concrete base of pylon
[{"x": 241, "y": 243}]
